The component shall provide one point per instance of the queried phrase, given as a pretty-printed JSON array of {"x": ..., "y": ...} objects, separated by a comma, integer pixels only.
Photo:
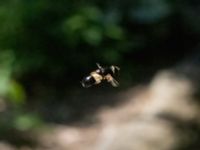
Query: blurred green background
[{"x": 47, "y": 47}]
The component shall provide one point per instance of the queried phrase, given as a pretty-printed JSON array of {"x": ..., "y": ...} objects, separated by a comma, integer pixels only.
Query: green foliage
[
  {"x": 26, "y": 122},
  {"x": 89, "y": 24},
  {"x": 20, "y": 121},
  {"x": 16, "y": 93},
  {"x": 9, "y": 88}
]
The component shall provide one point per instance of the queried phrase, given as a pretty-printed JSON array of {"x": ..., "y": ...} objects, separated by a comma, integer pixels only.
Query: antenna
[{"x": 98, "y": 65}]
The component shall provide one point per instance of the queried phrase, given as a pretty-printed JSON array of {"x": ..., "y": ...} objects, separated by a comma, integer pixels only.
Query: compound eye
[{"x": 88, "y": 78}]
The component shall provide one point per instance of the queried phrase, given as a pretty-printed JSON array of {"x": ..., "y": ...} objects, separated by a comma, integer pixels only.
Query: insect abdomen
[{"x": 88, "y": 81}]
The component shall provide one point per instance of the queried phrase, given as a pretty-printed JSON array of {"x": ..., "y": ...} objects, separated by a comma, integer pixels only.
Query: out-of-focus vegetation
[{"x": 46, "y": 47}]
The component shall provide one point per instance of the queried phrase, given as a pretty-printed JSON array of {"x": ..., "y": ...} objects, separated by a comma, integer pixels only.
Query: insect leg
[{"x": 111, "y": 80}]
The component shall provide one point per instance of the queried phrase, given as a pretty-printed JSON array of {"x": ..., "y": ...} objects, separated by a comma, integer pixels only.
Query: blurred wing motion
[{"x": 114, "y": 83}]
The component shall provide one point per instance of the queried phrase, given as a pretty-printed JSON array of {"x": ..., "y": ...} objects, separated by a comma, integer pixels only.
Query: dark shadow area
[{"x": 18, "y": 138}]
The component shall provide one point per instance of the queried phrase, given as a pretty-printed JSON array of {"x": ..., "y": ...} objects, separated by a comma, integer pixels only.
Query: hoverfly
[{"x": 101, "y": 74}]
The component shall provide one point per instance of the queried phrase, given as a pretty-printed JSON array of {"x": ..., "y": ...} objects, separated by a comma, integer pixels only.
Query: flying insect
[{"x": 101, "y": 74}]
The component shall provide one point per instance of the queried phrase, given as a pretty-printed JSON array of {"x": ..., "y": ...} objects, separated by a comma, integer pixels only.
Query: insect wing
[{"x": 114, "y": 83}]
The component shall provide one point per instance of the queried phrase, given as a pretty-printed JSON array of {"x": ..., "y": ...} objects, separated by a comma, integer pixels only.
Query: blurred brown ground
[{"x": 161, "y": 116}]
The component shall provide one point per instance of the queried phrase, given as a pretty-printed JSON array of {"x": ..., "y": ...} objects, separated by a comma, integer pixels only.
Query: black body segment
[{"x": 88, "y": 81}]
